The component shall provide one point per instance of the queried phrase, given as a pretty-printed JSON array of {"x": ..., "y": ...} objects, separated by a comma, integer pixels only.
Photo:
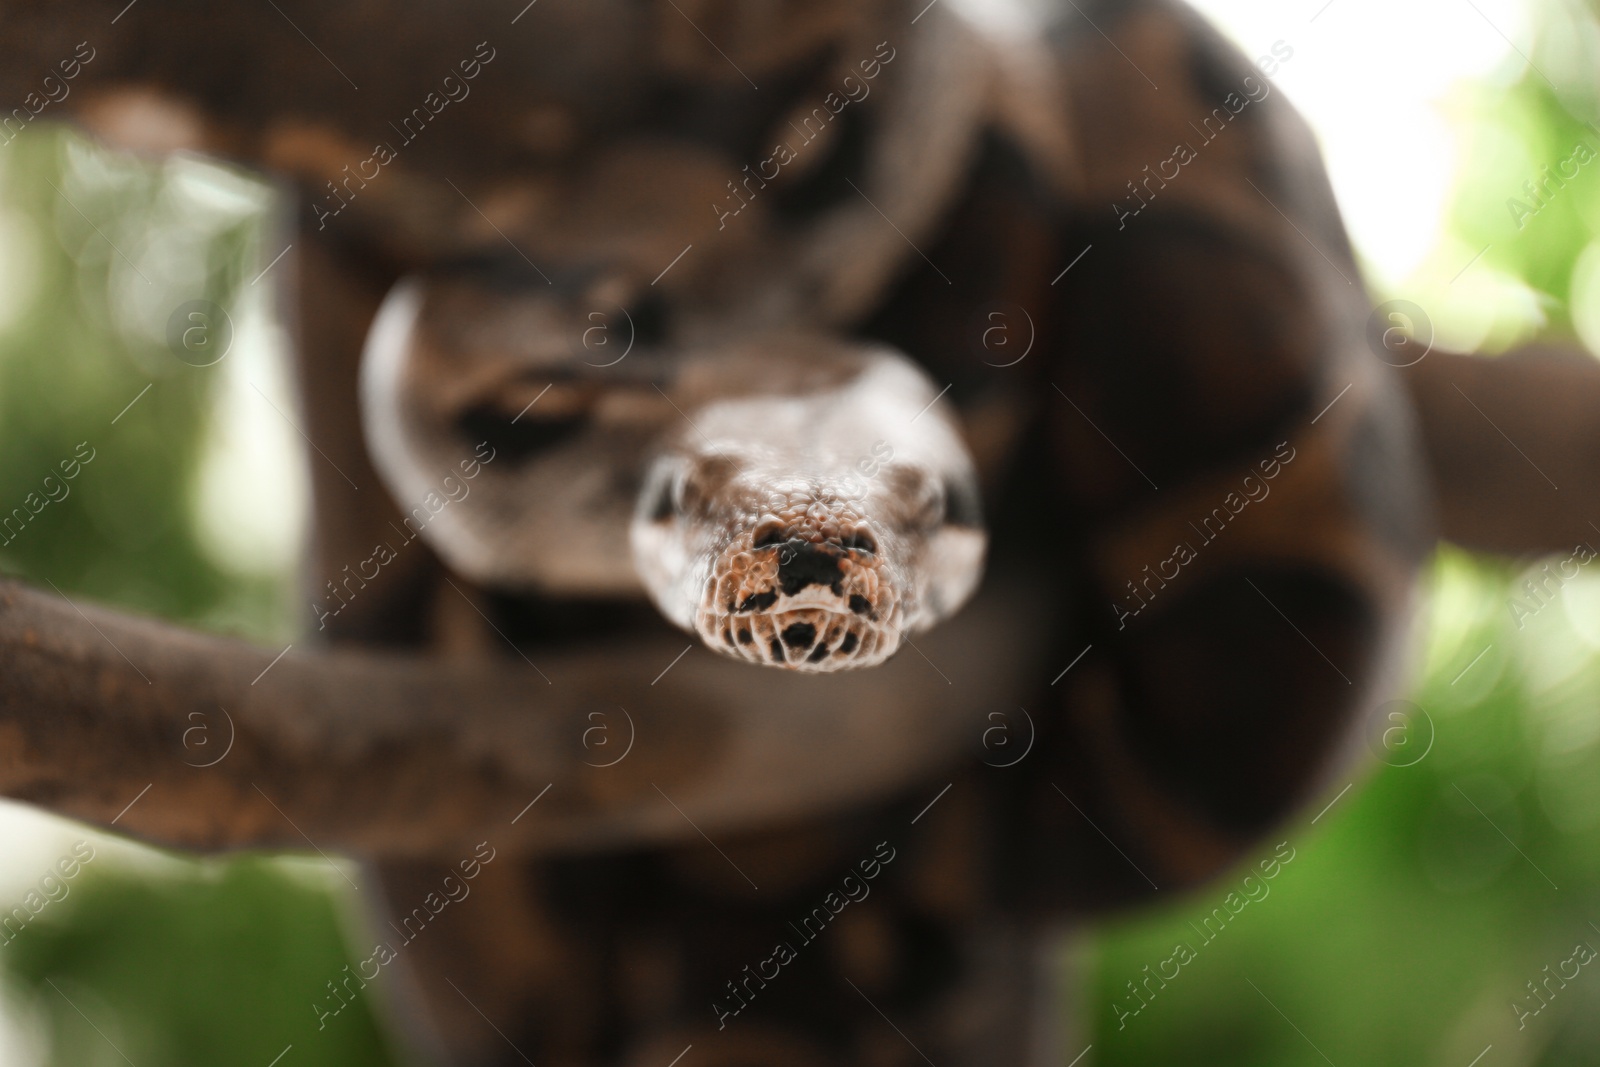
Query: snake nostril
[{"x": 861, "y": 542}]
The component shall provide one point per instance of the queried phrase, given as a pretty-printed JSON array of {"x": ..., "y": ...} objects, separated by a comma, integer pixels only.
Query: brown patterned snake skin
[{"x": 814, "y": 437}]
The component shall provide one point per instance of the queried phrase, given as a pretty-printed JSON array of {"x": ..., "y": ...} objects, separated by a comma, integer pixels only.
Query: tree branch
[
  {"x": 1513, "y": 444},
  {"x": 397, "y": 755}
]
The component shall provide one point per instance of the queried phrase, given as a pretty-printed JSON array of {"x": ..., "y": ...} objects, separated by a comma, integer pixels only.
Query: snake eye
[
  {"x": 769, "y": 535},
  {"x": 963, "y": 506},
  {"x": 658, "y": 499},
  {"x": 700, "y": 481},
  {"x": 519, "y": 438}
]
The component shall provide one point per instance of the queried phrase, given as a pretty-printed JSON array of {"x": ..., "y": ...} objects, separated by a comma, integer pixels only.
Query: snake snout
[{"x": 803, "y": 603}]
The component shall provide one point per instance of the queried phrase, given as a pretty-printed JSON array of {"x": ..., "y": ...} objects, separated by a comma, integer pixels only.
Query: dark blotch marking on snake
[
  {"x": 759, "y": 601},
  {"x": 799, "y": 635},
  {"x": 860, "y": 604},
  {"x": 727, "y": 635},
  {"x": 745, "y": 637},
  {"x": 848, "y": 645},
  {"x": 818, "y": 653},
  {"x": 777, "y": 651}
]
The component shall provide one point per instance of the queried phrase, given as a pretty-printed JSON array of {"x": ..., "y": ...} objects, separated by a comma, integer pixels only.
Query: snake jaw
[{"x": 808, "y": 605}]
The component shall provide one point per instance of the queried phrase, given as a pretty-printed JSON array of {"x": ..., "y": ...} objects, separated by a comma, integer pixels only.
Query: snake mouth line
[
  {"x": 831, "y": 602},
  {"x": 809, "y": 639},
  {"x": 808, "y": 606}
]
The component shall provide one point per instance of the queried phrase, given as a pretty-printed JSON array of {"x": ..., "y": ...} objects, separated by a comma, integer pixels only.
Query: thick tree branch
[
  {"x": 407, "y": 756},
  {"x": 1513, "y": 443}
]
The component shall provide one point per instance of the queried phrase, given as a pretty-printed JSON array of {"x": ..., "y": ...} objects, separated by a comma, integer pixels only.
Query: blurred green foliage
[
  {"x": 179, "y": 962},
  {"x": 215, "y": 964},
  {"x": 1404, "y": 931},
  {"x": 79, "y": 351},
  {"x": 1513, "y": 199}
]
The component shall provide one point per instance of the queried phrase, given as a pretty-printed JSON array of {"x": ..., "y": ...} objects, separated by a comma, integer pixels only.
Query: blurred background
[{"x": 1423, "y": 906}]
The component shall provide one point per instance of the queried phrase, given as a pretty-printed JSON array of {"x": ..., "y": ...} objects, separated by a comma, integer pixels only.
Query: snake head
[{"x": 811, "y": 532}]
